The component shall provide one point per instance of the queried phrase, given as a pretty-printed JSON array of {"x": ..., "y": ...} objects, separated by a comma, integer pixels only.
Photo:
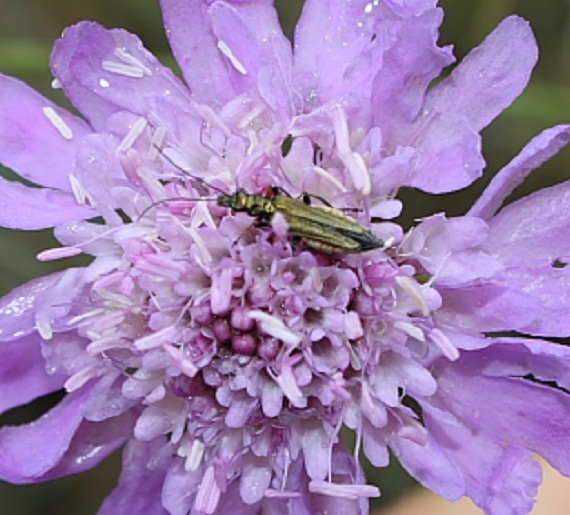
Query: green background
[{"x": 27, "y": 30}]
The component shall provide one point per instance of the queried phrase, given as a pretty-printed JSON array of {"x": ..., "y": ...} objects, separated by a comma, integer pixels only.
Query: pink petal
[
  {"x": 480, "y": 88},
  {"x": 59, "y": 443},
  {"x": 140, "y": 486},
  {"x": 37, "y": 208},
  {"x": 104, "y": 71},
  {"x": 23, "y": 376},
  {"x": 533, "y": 231},
  {"x": 539, "y": 150},
  {"x": 38, "y": 149}
]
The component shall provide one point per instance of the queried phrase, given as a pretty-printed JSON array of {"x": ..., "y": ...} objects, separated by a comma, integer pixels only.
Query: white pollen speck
[
  {"x": 104, "y": 83},
  {"x": 227, "y": 51},
  {"x": 368, "y": 8},
  {"x": 55, "y": 84},
  {"x": 58, "y": 122}
]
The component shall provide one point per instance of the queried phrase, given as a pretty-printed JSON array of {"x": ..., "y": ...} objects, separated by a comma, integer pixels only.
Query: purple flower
[{"x": 228, "y": 354}]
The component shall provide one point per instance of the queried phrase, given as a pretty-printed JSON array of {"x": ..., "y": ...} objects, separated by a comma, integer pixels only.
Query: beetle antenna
[
  {"x": 173, "y": 199},
  {"x": 192, "y": 176}
]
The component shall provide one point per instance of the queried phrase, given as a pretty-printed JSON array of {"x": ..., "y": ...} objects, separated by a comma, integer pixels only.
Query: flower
[{"x": 225, "y": 348}]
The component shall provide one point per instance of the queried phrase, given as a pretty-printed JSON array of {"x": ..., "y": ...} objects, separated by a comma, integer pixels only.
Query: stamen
[
  {"x": 81, "y": 195},
  {"x": 78, "y": 379},
  {"x": 58, "y": 122},
  {"x": 208, "y": 495},
  {"x": 288, "y": 384},
  {"x": 411, "y": 330},
  {"x": 412, "y": 289},
  {"x": 193, "y": 453},
  {"x": 251, "y": 115},
  {"x": 274, "y": 326},
  {"x": 321, "y": 172},
  {"x": 58, "y": 253},
  {"x": 446, "y": 346},
  {"x": 45, "y": 329},
  {"x": 128, "y": 58},
  {"x": 134, "y": 133},
  {"x": 209, "y": 115},
  {"x": 157, "y": 339},
  {"x": 227, "y": 51},
  {"x": 346, "y": 491},
  {"x": 123, "y": 69},
  {"x": 353, "y": 161}
]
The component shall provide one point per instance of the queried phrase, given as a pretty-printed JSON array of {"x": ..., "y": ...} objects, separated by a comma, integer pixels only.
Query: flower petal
[
  {"x": 257, "y": 48},
  {"x": 23, "y": 376},
  {"x": 210, "y": 76},
  {"x": 481, "y": 87},
  {"x": 104, "y": 71},
  {"x": 37, "y": 208},
  {"x": 38, "y": 139},
  {"x": 486, "y": 308},
  {"x": 339, "y": 56},
  {"x": 533, "y": 231},
  {"x": 536, "y": 152},
  {"x": 410, "y": 62},
  {"x": 43, "y": 299},
  {"x": 489, "y": 79},
  {"x": 59, "y": 443},
  {"x": 430, "y": 465},
  {"x": 551, "y": 288},
  {"x": 140, "y": 486},
  {"x": 523, "y": 412}
]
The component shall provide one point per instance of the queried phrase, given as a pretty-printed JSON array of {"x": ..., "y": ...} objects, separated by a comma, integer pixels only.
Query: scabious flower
[{"x": 228, "y": 355}]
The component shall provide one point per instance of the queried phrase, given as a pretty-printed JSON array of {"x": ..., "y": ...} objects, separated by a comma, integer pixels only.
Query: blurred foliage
[{"x": 27, "y": 31}]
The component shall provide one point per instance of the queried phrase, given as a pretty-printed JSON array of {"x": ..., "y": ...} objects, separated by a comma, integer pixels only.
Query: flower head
[{"x": 227, "y": 340}]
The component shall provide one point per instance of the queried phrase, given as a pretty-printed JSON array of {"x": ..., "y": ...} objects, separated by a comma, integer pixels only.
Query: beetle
[{"x": 323, "y": 228}]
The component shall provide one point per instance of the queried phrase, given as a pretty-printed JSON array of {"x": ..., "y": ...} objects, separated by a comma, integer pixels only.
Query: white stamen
[
  {"x": 58, "y": 253},
  {"x": 133, "y": 135},
  {"x": 321, "y": 172},
  {"x": 81, "y": 195},
  {"x": 124, "y": 56},
  {"x": 209, "y": 115},
  {"x": 58, "y": 122},
  {"x": 208, "y": 495},
  {"x": 274, "y": 326},
  {"x": 412, "y": 289},
  {"x": 123, "y": 69},
  {"x": 85, "y": 316},
  {"x": 345, "y": 491},
  {"x": 446, "y": 346},
  {"x": 156, "y": 141},
  {"x": 166, "y": 335},
  {"x": 193, "y": 455},
  {"x": 271, "y": 493},
  {"x": 288, "y": 384},
  {"x": 102, "y": 344},
  {"x": 251, "y": 115},
  {"x": 227, "y": 51},
  {"x": 353, "y": 161},
  {"x": 78, "y": 379},
  {"x": 411, "y": 330},
  {"x": 45, "y": 329}
]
